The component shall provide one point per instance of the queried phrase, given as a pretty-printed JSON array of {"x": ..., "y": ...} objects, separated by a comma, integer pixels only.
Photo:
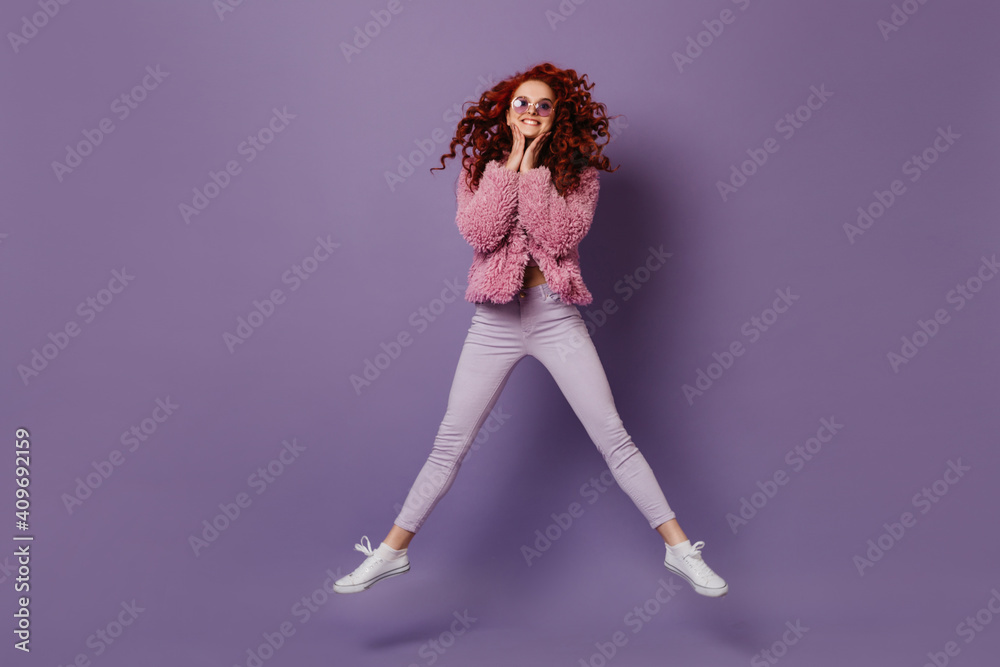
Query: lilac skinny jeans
[{"x": 535, "y": 323}]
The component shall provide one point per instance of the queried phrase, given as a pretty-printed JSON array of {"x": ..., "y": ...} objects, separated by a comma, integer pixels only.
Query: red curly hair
[{"x": 576, "y": 127}]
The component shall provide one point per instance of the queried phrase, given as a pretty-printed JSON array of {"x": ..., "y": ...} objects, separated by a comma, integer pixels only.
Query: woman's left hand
[{"x": 530, "y": 158}]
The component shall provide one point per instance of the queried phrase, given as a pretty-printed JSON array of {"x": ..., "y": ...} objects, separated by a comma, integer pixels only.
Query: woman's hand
[
  {"x": 530, "y": 158},
  {"x": 521, "y": 158},
  {"x": 517, "y": 151}
]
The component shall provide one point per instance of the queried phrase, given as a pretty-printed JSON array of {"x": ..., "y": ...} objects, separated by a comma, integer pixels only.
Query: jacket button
[{"x": 523, "y": 295}]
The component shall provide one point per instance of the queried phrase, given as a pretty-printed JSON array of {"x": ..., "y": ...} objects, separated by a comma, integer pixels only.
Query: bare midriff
[{"x": 533, "y": 276}]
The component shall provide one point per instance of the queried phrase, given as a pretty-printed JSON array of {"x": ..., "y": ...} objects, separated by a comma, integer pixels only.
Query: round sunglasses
[{"x": 521, "y": 104}]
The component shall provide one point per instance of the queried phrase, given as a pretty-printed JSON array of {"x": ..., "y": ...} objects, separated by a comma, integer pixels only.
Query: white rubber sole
[
  {"x": 700, "y": 590},
  {"x": 357, "y": 588}
]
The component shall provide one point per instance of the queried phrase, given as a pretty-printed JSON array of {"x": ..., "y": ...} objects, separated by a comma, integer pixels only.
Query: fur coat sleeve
[{"x": 487, "y": 215}]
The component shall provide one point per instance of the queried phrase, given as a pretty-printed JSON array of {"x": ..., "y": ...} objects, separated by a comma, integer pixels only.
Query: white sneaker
[
  {"x": 373, "y": 569},
  {"x": 696, "y": 571}
]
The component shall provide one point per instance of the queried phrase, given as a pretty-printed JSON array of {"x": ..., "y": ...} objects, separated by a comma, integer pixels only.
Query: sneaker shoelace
[
  {"x": 366, "y": 548},
  {"x": 695, "y": 561}
]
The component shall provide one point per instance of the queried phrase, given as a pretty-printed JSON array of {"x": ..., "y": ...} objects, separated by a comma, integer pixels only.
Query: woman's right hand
[{"x": 517, "y": 150}]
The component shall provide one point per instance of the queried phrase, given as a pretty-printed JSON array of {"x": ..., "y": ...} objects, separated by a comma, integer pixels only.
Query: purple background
[{"x": 324, "y": 176}]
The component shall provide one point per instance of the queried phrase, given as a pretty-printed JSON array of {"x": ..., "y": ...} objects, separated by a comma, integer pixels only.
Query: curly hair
[{"x": 576, "y": 127}]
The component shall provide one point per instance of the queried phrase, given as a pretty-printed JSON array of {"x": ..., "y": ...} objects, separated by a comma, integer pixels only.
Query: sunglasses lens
[{"x": 542, "y": 108}]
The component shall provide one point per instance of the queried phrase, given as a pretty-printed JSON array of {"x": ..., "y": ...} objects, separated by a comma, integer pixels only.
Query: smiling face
[{"x": 530, "y": 123}]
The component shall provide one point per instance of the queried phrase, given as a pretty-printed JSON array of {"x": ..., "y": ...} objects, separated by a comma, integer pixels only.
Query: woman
[{"x": 525, "y": 201}]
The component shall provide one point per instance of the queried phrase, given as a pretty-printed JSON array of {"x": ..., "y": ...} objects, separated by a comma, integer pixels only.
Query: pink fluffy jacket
[{"x": 512, "y": 214}]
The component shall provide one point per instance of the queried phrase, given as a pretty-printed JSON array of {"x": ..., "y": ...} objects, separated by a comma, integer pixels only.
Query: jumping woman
[{"x": 526, "y": 198}]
